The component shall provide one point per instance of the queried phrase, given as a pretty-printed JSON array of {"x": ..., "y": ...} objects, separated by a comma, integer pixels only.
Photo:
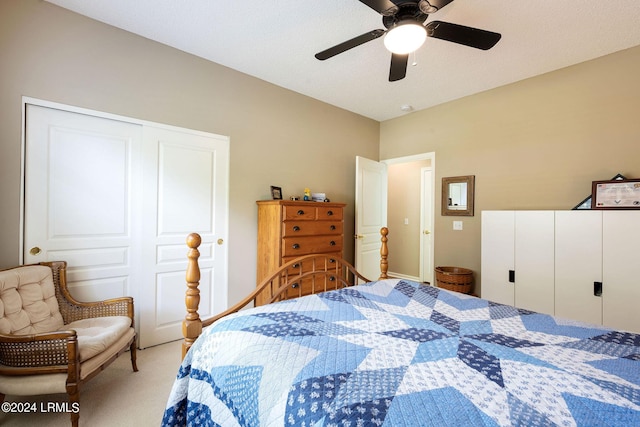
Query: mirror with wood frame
[{"x": 457, "y": 195}]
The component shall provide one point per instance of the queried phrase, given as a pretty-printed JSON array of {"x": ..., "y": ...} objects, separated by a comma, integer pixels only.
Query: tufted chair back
[{"x": 28, "y": 303}]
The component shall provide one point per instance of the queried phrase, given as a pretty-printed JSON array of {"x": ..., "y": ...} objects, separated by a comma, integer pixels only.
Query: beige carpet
[{"x": 116, "y": 397}]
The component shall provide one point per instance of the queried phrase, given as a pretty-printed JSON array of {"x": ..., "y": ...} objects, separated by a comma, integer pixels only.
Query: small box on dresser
[{"x": 290, "y": 229}]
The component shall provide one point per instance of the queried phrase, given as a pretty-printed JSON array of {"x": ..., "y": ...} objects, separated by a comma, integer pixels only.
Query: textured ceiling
[{"x": 275, "y": 40}]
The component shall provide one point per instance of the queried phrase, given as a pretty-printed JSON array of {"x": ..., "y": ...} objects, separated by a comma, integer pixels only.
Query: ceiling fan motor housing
[{"x": 408, "y": 13}]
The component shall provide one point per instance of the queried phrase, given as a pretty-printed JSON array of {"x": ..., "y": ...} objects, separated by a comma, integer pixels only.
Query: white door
[
  {"x": 534, "y": 279},
  {"x": 185, "y": 191},
  {"x": 80, "y": 199},
  {"x": 116, "y": 200},
  {"x": 426, "y": 226},
  {"x": 497, "y": 255},
  {"x": 371, "y": 215},
  {"x": 621, "y": 270},
  {"x": 578, "y": 265}
]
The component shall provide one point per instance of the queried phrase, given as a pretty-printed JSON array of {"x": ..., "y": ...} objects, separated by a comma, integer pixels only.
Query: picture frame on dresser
[
  {"x": 276, "y": 193},
  {"x": 615, "y": 194}
]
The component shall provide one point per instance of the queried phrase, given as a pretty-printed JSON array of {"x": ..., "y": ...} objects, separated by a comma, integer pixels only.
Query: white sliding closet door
[
  {"x": 80, "y": 199},
  {"x": 116, "y": 199},
  {"x": 185, "y": 190}
]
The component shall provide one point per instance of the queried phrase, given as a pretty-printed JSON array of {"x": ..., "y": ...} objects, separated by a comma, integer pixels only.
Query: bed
[{"x": 393, "y": 352}]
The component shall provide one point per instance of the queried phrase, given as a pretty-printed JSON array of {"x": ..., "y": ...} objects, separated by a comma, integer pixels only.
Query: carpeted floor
[{"x": 116, "y": 397}]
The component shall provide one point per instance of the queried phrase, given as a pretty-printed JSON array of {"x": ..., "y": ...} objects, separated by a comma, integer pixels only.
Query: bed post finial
[
  {"x": 192, "y": 325},
  {"x": 384, "y": 251}
]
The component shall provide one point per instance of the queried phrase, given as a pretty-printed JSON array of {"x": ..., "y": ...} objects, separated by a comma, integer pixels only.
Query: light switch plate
[{"x": 457, "y": 225}]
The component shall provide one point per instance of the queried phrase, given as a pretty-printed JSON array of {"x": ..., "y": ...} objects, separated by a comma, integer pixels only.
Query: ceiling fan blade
[
  {"x": 383, "y": 7},
  {"x": 398, "y": 68},
  {"x": 472, "y": 37},
  {"x": 349, "y": 44}
]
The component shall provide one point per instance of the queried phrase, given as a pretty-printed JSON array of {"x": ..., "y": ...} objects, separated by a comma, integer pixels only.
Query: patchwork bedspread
[{"x": 396, "y": 353}]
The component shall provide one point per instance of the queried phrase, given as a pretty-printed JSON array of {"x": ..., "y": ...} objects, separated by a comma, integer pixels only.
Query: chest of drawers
[{"x": 289, "y": 229}]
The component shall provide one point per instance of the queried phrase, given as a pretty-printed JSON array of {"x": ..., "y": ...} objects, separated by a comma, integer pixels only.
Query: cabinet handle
[
  {"x": 597, "y": 289},
  {"x": 512, "y": 276},
  {"x": 330, "y": 213},
  {"x": 300, "y": 212},
  {"x": 295, "y": 246},
  {"x": 333, "y": 227},
  {"x": 332, "y": 243},
  {"x": 295, "y": 285},
  {"x": 296, "y": 228}
]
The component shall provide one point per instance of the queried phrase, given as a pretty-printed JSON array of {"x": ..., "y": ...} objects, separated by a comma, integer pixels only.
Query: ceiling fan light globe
[{"x": 405, "y": 38}]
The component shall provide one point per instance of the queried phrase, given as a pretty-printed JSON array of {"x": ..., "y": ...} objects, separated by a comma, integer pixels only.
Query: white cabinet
[
  {"x": 578, "y": 265},
  {"x": 582, "y": 265},
  {"x": 621, "y": 270},
  {"x": 517, "y": 259}
]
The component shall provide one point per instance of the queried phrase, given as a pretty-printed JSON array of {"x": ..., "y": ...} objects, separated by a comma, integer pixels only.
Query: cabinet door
[
  {"x": 497, "y": 256},
  {"x": 534, "y": 279},
  {"x": 621, "y": 270},
  {"x": 578, "y": 265}
]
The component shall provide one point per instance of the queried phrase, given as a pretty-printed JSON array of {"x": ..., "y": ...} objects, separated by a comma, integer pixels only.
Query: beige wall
[
  {"x": 404, "y": 202},
  {"x": 536, "y": 144},
  {"x": 278, "y": 137}
]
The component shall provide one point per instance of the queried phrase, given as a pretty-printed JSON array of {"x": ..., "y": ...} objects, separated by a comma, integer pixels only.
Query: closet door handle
[
  {"x": 597, "y": 289},
  {"x": 512, "y": 276}
]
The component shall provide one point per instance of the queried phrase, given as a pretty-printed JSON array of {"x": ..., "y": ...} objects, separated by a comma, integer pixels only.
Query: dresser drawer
[
  {"x": 298, "y": 246},
  {"x": 329, "y": 213},
  {"x": 310, "y": 228},
  {"x": 300, "y": 212},
  {"x": 307, "y": 264}
]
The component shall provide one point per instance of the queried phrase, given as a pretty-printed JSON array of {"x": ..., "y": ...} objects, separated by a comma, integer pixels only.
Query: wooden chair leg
[
  {"x": 132, "y": 350},
  {"x": 74, "y": 403}
]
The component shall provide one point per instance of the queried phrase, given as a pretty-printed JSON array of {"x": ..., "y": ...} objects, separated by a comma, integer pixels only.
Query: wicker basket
[{"x": 455, "y": 279}]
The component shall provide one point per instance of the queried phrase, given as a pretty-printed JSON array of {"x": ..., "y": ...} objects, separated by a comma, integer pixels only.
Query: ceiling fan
[{"x": 409, "y": 17}]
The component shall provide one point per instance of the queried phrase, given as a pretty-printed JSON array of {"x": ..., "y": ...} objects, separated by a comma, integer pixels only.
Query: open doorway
[{"x": 410, "y": 216}]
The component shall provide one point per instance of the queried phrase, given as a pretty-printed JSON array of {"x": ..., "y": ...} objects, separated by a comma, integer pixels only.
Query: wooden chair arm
[
  {"x": 37, "y": 353},
  {"x": 76, "y": 310}
]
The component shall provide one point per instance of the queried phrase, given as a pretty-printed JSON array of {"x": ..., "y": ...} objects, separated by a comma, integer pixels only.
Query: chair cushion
[
  {"x": 97, "y": 334},
  {"x": 28, "y": 303}
]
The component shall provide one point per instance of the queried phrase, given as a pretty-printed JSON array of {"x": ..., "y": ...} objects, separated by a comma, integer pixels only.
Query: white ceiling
[{"x": 275, "y": 40}]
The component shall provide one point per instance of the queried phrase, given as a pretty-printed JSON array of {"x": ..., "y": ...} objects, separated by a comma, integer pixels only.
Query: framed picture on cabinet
[
  {"x": 276, "y": 193},
  {"x": 615, "y": 194}
]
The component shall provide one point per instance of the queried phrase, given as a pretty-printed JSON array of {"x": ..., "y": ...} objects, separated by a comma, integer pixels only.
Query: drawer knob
[
  {"x": 332, "y": 278},
  {"x": 295, "y": 285},
  {"x": 295, "y": 246},
  {"x": 296, "y": 265},
  {"x": 333, "y": 227},
  {"x": 300, "y": 212},
  {"x": 296, "y": 228},
  {"x": 332, "y": 260},
  {"x": 330, "y": 213},
  {"x": 332, "y": 243}
]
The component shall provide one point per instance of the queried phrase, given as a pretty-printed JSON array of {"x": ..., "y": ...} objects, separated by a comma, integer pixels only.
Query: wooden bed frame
[{"x": 323, "y": 271}]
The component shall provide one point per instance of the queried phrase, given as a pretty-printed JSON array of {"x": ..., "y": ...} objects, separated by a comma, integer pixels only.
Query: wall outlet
[{"x": 457, "y": 225}]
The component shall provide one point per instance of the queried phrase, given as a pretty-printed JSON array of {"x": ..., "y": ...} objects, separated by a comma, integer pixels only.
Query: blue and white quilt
[{"x": 397, "y": 353}]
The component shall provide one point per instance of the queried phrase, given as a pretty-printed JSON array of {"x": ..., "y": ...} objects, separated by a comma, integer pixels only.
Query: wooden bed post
[
  {"x": 192, "y": 324},
  {"x": 384, "y": 251}
]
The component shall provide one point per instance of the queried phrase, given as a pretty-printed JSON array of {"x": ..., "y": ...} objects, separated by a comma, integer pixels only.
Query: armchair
[{"x": 51, "y": 343}]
